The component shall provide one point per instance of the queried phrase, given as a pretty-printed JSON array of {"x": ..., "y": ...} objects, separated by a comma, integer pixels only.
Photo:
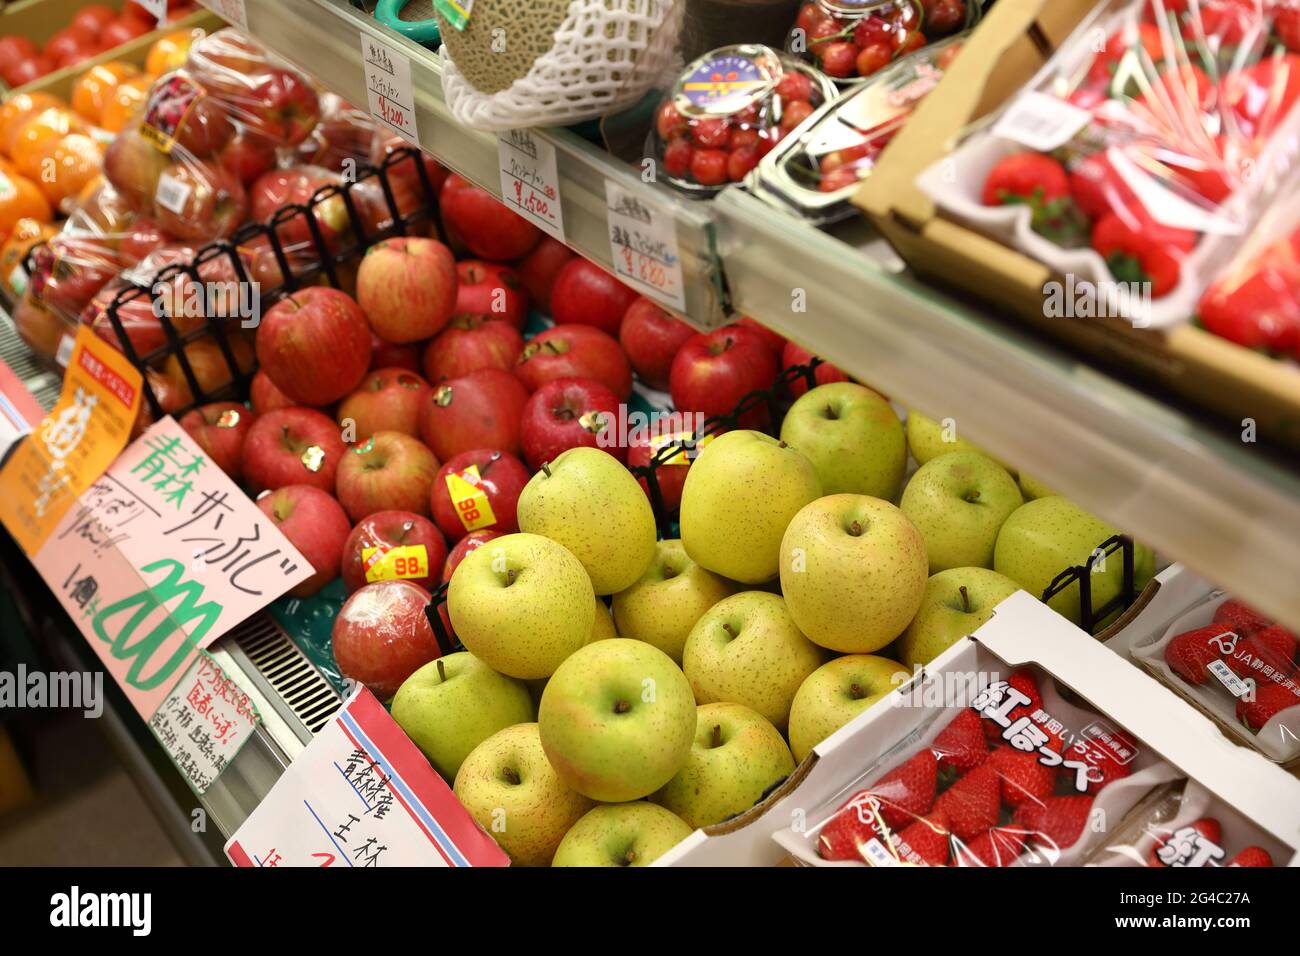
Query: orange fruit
[
  {"x": 93, "y": 88},
  {"x": 17, "y": 109},
  {"x": 75, "y": 164},
  {"x": 20, "y": 198},
  {"x": 170, "y": 50},
  {"x": 37, "y": 136},
  {"x": 127, "y": 98},
  {"x": 26, "y": 233}
]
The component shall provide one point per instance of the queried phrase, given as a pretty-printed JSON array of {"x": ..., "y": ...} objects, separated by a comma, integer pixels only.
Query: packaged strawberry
[
  {"x": 815, "y": 173},
  {"x": 1142, "y": 153},
  {"x": 850, "y": 40},
  {"x": 1237, "y": 666},
  {"x": 727, "y": 111},
  {"x": 1182, "y": 824}
]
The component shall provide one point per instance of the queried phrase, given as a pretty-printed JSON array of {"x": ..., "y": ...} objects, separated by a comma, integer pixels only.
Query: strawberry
[
  {"x": 1096, "y": 187},
  {"x": 1207, "y": 827},
  {"x": 1252, "y": 856},
  {"x": 907, "y": 791},
  {"x": 1139, "y": 249},
  {"x": 1241, "y": 618},
  {"x": 1256, "y": 307},
  {"x": 1191, "y": 652},
  {"x": 853, "y": 824},
  {"x": 1000, "y": 846},
  {"x": 1024, "y": 682},
  {"x": 927, "y": 840},
  {"x": 972, "y": 803},
  {"x": 1104, "y": 767},
  {"x": 1269, "y": 698},
  {"x": 1057, "y": 822},
  {"x": 961, "y": 745},
  {"x": 1274, "y": 646},
  {"x": 1041, "y": 183},
  {"x": 1023, "y": 776}
]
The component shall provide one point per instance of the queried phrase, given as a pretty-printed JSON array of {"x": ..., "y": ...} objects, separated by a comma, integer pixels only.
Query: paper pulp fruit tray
[
  {"x": 1174, "y": 742},
  {"x": 1002, "y": 56}
]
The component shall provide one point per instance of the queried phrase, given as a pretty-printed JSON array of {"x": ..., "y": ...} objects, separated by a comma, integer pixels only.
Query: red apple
[
  {"x": 575, "y": 351},
  {"x": 540, "y": 268},
  {"x": 91, "y": 20},
  {"x": 587, "y": 294},
  {"x": 315, "y": 345},
  {"x": 265, "y": 396},
  {"x": 795, "y": 354},
  {"x": 492, "y": 291},
  {"x": 247, "y": 155},
  {"x": 382, "y": 635},
  {"x": 15, "y": 47},
  {"x": 206, "y": 127},
  {"x": 70, "y": 269},
  {"x": 714, "y": 370},
  {"x": 281, "y": 104},
  {"x": 212, "y": 371},
  {"x": 482, "y": 409},
  {"x": 220, "y": 430},
  {"x": 315, "y": 524},
  {"x": 403, "y": 174},
  {"x": 394, "y": 355},
  {"x": 292, "y": 446},
  {"x": 389, "y": 471},
  {"x": 469, "y": 343},
  {"x": 212, "y": 204},
  {"x": 651, "y": 337},
  {"x": 500, "y": 475},
  {"x": 65, "y": 43},
  {"x": 570, "y": 413},
  {"x": 407, "y": 288},
  {"x": 26, "y": 71},
  {"x": 297, "y": 185},
  {"x": 385, "y": 530},
  {"x": 133, "y": 164},
  {"x": 775, "y": 341},
  {"x": 471, "y": 542},
  {"x": 487, "y": 227},
  {"x": 387, "y": 400},
  {"x": 143, "y": 237}
]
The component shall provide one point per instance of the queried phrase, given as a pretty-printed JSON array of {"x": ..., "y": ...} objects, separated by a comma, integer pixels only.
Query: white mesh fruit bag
[{"x": 605, "y": 55}]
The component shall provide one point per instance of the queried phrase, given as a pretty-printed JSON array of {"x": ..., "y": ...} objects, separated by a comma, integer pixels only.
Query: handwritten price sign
[
  {"x": 643, "y": 242},
  {"x": 529, "y": 182},
  {"x": 388, "y": 87}
]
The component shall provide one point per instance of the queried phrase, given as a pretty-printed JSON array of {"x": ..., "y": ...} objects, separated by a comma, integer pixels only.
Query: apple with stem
[
  {"x": 478, "y": 490},
  {"x": 407, "y": 288},
  {"x": 471, "y": 342},
  {"x": 835, "y": 693},
  {"x": 621, "y": 834},
  {"x": 651, "y": 337},
  {"x": 391, "y": 471},
  {"x": 383, "y": 531},
  {"x": 668, "y": 599},
  {"x": 713, "y": 371},
  {"x": 490, "y": 290},
  {"x": 315, "y": 345},
  {"x": 959, "y": 502},
  {"x": 220, "y": 429},
  {"x": 956, "y": 603},
  {"x": 387, "y": 400},
  {"x": 480, "y": 410},
  {"x": 569, "y": 413},
  {"x": 292, "y": 446},
  {"x": 575, "y": 351},
  {"x": 315, "y": 525},
  {"x": 852, "y": 437}
]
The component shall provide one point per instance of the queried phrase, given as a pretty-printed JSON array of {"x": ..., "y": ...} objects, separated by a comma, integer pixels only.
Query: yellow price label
[
  {"x": 391, "y": 564},
  {"x": 471, "y": 501}
]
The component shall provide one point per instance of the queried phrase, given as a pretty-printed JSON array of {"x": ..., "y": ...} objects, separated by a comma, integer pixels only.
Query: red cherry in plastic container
[{"x": 709, "y": 167}]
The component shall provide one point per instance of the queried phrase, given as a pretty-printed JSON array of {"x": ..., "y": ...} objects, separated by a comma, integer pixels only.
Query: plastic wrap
[
  {"x": 1142, "y": 153},
  {"x": 727, "y": 111}
]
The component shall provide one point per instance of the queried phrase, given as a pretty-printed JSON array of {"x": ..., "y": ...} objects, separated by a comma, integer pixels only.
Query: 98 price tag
[
  {"x": 471, "y": 501},
  {"x": 643, "y": 242},
  {"x": 391, "y": 564}
]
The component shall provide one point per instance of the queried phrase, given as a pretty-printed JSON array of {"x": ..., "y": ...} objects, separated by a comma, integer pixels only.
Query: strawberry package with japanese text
[{"x": 1143, "y": 151}]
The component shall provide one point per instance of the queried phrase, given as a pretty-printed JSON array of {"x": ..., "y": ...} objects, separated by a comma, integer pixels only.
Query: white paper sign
[
  {"x": 360, "y": 795},
  {"x": 530, "y": 184},
  {"x": 388, "y": 87},
  {"x": 232, "y": 11},
  {"x": 643, "y": 243},
  {"x": 203, "y": 723}
]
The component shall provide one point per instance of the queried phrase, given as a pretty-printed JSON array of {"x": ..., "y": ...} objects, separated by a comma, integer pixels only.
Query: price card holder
[
  {"x": 232, "y": 11},
  {"x": 388, "y": 87},
  {"x": 530, "y": 184},
  {"x": 643, "y": 243},
  {"x": 361, "y": 794}
]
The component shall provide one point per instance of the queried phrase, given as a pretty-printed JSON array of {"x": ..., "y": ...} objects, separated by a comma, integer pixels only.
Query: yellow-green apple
[
  {"x": 1032, "y": 488},
  {"x": 928, "y": 439},
  {"x": 714, "y": 370},
  {"x": 853, "y": 570},
  {"x": 650, "y": 337},
  {"x": 852, "y": 437},
  {"x": 220, "y": 429},
  {"x": 739, "y": 496},
  {"x": 617, "y": 719},
  {"x": 574, "y": 351},
  {"x": 407, "y": 288},
  {"x": 489, "y": 229},
  {"x": 1049, "y": 535},
  {"x": 522, "y": 604},
  {"x": 481, "y": 410},
  {"x": 795, "y": 354},
  {"x": 586, "y": 294},
  {"x": 621, "y": 834},
  {"x": 508, "y": 786},
  {"x": 666, "y": 601},
  {"x": 390, "y": 472},
  {"x": 387, "y": 400},
  {"x": 837, "y": 692},
  {"x": 380, "y": 533},
  {"x": 957, "y": 602},
  {"x": 592, "y": 505},
  {"x": 454, "y": 703},
  {"x": 958, "y": 502},
  {"x": 469, "y": 343},
  {"x": 602, "y": 628},
  {"x": 569, "y": 413},
  {"x": 491, "y": 291},
  {"x": 736, "y": 757},
  {"x": 382, "y": 635},
  {"x": 315, "y": 524},
  {"x": 315, "y": 345},
  {"x": 497, "y": 476},
  {"x": 539, "y": 268},
  {"x": 292, "y": 446}
]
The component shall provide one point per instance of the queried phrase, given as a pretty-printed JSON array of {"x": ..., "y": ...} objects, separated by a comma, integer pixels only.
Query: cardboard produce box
[{"x": 1015, "y": 40}]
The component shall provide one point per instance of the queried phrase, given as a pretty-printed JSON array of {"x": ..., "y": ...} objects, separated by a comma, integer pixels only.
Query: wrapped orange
[
  {"x": 92, "y": 89},
  {"x": 170, "y": 50},
  {"x": 37, "y": 137},
  {"x": 75, "y": 163},
  {"x": 127, "y": 98},
  {"x": 26, "y": 233},
  {"x": 20, "y": 198},
  {"x": 17, "y": 110}
]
